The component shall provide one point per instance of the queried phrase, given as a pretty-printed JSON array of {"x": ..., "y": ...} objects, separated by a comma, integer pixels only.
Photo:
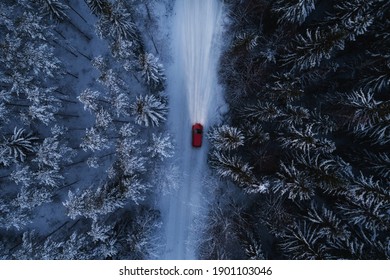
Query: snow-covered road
[{"x": 194, "y": 97}]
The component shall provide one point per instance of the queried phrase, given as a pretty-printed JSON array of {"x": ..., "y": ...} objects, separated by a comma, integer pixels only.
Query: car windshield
[{"x": 198, "y": 130}]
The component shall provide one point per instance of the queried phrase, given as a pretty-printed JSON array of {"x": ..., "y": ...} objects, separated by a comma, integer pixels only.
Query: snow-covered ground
[{"x": 194, "y": 97}]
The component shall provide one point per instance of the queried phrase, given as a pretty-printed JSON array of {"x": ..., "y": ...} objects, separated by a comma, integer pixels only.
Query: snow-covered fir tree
[
  {"x": 247, "y": 39},
  {"x": 51, "y": 153},
  {"x": 161, "y": 146},
  {"x": 234, "y": 168},
  {"x": 226, "y": 138},
  {"x": 116, "y": 23},
  {"x": 306, "y": 140},
  {"x": 151, "y": 70},
  {"x": 332, "y": 227},
  {"x": 149, "y": 110},
  {"x": 252, "y": 246},
  {"x": 99, "y": 232},
  {"x": 99, "y": 7},
  {"x": 94, "y": 140},
  {"x": 95, "y": 202},
  {"x": 103, "y": 120},
  {"x": 303, "y": 241},
  {"x": 30, "y": 198},
  {"x": 121, "y": 104},
  {"x": 48, "y": 177},
  {"x": 53, "y": 8},
  {"x": 19, "y": 144},
  {"x": 89, "y": 98},
  {"x": 22, "y": 175},
  {"x": 295, "y": 11},
  {"x": 294, "y": 182},
  {"x": 311, "y": 49},
  {"x": 379, "y": 163},
  {"x": 12, "y": 216}
]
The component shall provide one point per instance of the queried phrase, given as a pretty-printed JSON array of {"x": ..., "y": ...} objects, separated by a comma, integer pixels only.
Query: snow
[{"x": 194, "y": 96}]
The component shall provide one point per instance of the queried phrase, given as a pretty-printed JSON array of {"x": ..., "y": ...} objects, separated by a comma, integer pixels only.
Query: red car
[{"x": 197, "y": 131}]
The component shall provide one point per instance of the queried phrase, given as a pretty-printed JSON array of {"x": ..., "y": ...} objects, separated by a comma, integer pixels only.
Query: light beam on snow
[
  {"x": 193, "y": 97},
  {"x": 197, "y": 27}
]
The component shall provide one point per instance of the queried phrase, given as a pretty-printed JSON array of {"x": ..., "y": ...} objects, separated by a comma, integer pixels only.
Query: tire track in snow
[{"x": 193, "y": 92}]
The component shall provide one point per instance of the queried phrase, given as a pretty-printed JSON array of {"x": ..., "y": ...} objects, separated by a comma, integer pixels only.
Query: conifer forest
[{"x": 97, "y": 100}]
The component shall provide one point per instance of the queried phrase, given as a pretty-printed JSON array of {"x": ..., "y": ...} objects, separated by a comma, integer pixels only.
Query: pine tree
[
  {"x": 90, "y": 99},
  {"x": 367, "y": 111},
  {"x": 19, "y": 144},
  {"x": 306, "y": 140},
  {"x": 294, "y": 116},
  {"x": 93, "y": 203},
  {"x": 30, "y": 198},
  {"x": 295, "y": 11},
  {"x": 110, "y": 79},
  {"x": 93, "y": 162},
  {"x": 13, "y": 216},
  {"x": 309, "y": 50},
  {"x": 99, "y": 232},
  {"x": 127, "y": 52},
  {"x": 256, "y": 135},
  {"x": 5, "y": 158},
  {"x": 107, "y": 249},
  {"x": 22, "y": 175},
  {"x": 51, "y": 153},
  {"x": 303, "y": 241},
  {"x": 286, "y": 88},
  {"x": 103, "y": 120},
  {"x": 379, "y": 133},
  {"x": 127, "y": 131},
  {"x": 149, "y": 110},
  {"x": 330, "y": 173},
  {"x": 332, "y": 227},
  {"x": 3, "y": 111},
  {"x": 366, "y": 116},
  {"x": 117, "y": 24},
  {"x": 100, "y": 7},
  {"x": 94, "y": 140},
  {"x": 151, "y": 70},
  {"x": 130, "y": 160},
  {"x": 249, "y": 40},
  {"x": 232, "y": 167},
  {"x": 121, "y": 105},
  {"x": 364, "y": 188},
  {"x": 226, "y": 138},
  {"x": 42, "y": 60},
  {"x": 355, "y": 16},
  {"x": 75, "y": 248},
  {"x": 41, "y": 112},
  {"x": 135, "y": 188},
  {"x": 378, "y": 76},
  {"x": 48, "y": 177},
  {"x": 53, "y": 8},
  {"x": 29, "y": 248},
  {"x": 261, "y": 111},
  {"x": 294, "y": 182},
  {"x": 379, "y": 163},
  {"x": 161, "y": 146},
  {"x": 142, "y": 237},
  {"x": 252, "y": 246},
  {"x": 368, "y": 213},
  {"x": 322, "y": 124},
  {"x": 51, "y": 250}
]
